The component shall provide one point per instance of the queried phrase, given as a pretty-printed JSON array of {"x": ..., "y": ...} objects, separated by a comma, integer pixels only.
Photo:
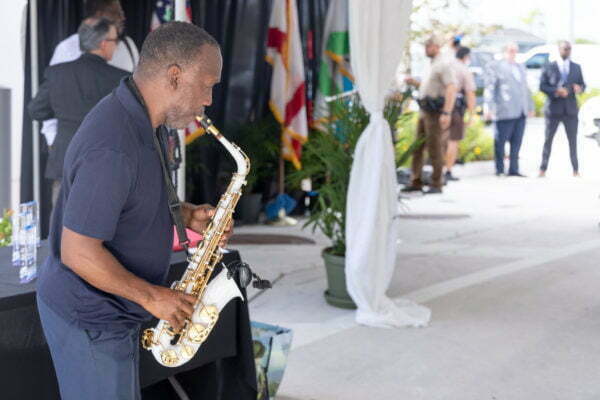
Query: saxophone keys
[
  {"x": 169, "y": 329},
  {"x": 197, "y": 333},
  {"x": 187, "y": 351},
  {"x": 148, "y": 339},
  {"x": 210, "y": 313},
  {"x": 169, "y": 357}
]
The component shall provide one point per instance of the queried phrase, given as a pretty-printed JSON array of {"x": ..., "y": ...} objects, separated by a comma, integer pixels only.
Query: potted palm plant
[
  {"x": 327, "y": 161},
  {"x": 260, "y": 141}
]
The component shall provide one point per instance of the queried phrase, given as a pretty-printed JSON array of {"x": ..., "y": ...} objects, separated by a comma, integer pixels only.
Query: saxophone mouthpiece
[
  {"x": 207, "y": 125},
  {"x": 204, "y": 121}
]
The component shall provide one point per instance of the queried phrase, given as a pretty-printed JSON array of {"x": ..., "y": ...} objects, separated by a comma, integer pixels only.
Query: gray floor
[{"x": 511, "y": 276}]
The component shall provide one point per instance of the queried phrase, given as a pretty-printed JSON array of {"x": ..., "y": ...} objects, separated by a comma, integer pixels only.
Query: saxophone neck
[{"x": 241, "y": 159}]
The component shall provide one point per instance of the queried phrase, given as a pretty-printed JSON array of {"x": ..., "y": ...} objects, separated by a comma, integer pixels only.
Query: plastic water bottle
[
  {"x": 28, "y": 269},
  {"x": 25, "y": 241}
]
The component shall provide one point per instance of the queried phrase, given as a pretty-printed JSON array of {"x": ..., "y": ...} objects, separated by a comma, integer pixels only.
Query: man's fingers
[
  {"x": 191, "y": 299},
  {"x": 186, "y": 307},
  {"x": 175, "y": 323},
  {"x": 204, "y": 210},
  {"x": 181, "y": 316}
]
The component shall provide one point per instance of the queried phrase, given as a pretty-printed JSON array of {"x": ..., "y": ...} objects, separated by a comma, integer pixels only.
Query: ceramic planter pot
[{"x": 336, "y": 293}]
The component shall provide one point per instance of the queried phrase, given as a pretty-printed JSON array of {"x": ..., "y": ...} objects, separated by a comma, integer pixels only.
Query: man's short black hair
[
  {"x": 462, "y": 52},
  {"x": 173, "y": 43},
  {"x": 95, "y": 7}
]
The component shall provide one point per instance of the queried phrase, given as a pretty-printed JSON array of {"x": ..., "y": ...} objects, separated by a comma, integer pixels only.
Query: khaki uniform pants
[{"x": 428, "y": 128}]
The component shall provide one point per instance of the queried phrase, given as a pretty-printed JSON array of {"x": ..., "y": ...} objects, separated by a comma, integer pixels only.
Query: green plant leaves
[{"x": 327, "y": 160}]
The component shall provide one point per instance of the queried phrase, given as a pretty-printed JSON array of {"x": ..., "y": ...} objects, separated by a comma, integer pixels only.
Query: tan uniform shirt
[
  {"x": 464, "y": 77},
  {"x": 441, "y": 74}
]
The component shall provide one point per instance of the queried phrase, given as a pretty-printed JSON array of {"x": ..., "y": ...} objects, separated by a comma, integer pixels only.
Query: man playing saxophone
[{"x": 111, "y": 231}]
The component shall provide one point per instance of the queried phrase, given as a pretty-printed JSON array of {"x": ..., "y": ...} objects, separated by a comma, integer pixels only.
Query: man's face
[
  {"x": 432, "y": 50},
  {"x": 511, "y": 52},
  {"x": 115, "y": 13},
  {"x": 194, "y": 89},
  {"x": 565, "y": 50}
]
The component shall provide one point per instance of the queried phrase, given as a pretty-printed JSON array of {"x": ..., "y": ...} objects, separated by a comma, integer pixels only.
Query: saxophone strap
[{"x": 174, "y": 203}]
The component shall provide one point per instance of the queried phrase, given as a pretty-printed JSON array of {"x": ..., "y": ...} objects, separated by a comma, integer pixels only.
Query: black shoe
[
  {"x": 433, "y": 190},
  {"x": 450, "y": 177},
  {"x": 499, "y": 174},
  {"x": 411, "y": 188},
  {"x": 518, "y": 175}
]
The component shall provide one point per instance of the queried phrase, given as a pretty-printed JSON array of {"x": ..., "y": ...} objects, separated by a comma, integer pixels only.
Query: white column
[
  {"x": 181, "y": 15},
  {"x": 34, "y": 88},
  {"x": 12, "y": 42}
]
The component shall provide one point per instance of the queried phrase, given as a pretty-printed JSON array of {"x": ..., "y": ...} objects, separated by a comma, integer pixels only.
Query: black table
[{"x": 222, "y": 369}]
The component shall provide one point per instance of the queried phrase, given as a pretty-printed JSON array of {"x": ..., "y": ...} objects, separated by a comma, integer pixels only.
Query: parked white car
[{"x": 587, "y": 55}]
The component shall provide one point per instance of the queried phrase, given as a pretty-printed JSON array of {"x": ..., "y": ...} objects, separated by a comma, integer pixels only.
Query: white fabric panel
[
  {"x": 12, "y": 40},
  {"x": 378, "y": 32}
]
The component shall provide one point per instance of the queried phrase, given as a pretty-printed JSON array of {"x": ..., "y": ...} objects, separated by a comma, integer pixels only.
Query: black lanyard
[{"x": 174, "y": 203}]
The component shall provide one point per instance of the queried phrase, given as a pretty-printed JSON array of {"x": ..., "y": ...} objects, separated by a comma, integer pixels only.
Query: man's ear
[
  {"x": 103, "y": 47},
  {"x": 174, "y": 76}
]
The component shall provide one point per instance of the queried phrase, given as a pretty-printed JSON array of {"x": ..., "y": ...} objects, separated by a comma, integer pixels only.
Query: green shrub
[
  {"x": 5, "y": 229},
  {"x": 539, "y": 99},
  {"x": 406, "y": 133},
  {"x": 588, "y": 94},
  {"x": 478, "y": 144}
]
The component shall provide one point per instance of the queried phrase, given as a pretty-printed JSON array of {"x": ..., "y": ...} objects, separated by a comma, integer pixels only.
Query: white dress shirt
[
  {"x": 564, "y": 66},
  {"x": 68, "y": 50},
  {"x": 516, "y": 71}
]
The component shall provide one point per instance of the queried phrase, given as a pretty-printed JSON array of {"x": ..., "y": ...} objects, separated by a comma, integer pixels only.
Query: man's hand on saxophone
[
  {"x": 198, "y": 217},
  {"x": 170, "y": 305}
]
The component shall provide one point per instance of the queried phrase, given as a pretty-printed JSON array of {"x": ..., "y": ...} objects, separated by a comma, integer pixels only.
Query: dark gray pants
[
  {"x": 511, "y": 130},
  {"x": 92, "y": 365},
  {"x": 570, "y": 123}
]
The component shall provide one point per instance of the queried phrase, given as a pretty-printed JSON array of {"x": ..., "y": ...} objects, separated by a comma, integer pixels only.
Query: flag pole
[
  {"x": 281, "y": 174},
  {"x": 180, "y": 15}
]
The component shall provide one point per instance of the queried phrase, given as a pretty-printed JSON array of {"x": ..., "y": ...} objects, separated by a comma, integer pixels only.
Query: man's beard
[{"x": 176, "y": 119}]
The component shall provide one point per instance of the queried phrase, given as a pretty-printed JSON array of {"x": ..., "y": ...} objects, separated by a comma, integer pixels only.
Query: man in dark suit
[
  {"x": 561, "y": 81},
  {"x": 70, "y": 90}
]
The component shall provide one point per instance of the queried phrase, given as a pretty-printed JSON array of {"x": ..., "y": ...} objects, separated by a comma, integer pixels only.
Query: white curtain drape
[
  {"x": 12, "y": 42},
  {"x": 378, "y": 33}
]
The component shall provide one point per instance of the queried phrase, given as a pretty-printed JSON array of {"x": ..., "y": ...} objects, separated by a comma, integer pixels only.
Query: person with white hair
[
  {"x": 70, "y": 90},
  {"x": 507, "y": 102},
  {"x": 125, "y": 56}
]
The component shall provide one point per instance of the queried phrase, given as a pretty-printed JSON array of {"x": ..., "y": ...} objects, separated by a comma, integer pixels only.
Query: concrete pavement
[{"x": 509, "y": 269}]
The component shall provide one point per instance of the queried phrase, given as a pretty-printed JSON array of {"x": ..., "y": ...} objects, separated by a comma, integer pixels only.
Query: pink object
[{"x": 192, "y": 236}]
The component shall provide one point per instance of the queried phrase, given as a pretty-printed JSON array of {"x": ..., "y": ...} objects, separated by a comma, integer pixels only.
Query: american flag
[
  {"x": 165, "y": 12},
  {"x": 288, "y": 86}
]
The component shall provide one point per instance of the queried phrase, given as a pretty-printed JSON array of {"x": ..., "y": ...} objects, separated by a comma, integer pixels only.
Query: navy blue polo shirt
[{"x": 113, "y": 190}]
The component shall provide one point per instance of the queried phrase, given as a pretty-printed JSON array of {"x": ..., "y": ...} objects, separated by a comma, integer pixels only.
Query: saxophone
[{"x": 171, "y": 348}]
